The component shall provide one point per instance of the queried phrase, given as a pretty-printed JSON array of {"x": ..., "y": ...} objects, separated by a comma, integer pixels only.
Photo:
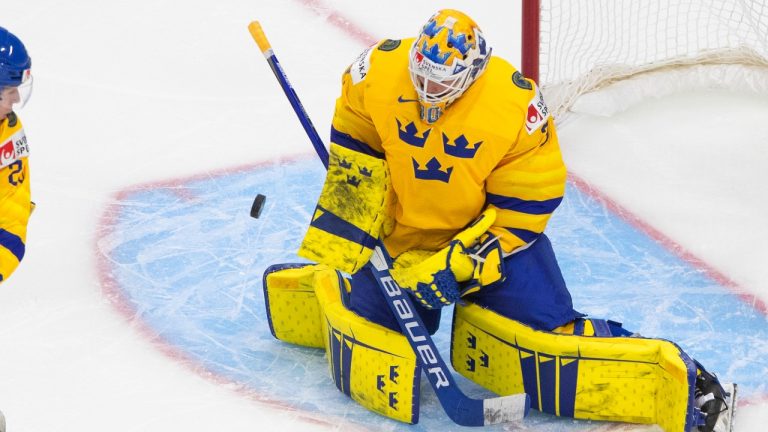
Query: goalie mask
[
  {"x": 448, "y": 55},
  {"x": 15, "y": 75}
]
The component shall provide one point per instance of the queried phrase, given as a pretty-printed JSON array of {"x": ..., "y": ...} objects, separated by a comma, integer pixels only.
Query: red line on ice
[{"x": 668, "y": 243}]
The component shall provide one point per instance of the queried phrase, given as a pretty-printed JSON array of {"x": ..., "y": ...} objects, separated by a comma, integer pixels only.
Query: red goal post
[{"x": 573, "y": 48}]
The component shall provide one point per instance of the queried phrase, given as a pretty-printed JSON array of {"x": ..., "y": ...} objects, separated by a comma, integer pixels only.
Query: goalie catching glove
[{"x": 473, "y": 256}]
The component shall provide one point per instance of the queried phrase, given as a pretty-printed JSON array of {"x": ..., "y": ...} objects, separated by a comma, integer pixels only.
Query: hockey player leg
[
  {"x": 627, "y": 379},
  {"x": 373, "y": 365}
]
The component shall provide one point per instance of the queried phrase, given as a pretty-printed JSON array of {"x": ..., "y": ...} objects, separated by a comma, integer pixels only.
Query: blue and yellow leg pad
[
  {"x": 593, "y": 327},
  {"x": 292, "y": 309},
  {"x": 376, "y": 367},
  {"x": 626, "y": 379},
  {"x": 373, "y": 365}
]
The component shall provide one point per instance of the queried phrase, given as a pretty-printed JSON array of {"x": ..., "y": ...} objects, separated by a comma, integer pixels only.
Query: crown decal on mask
[
  {"x": 432, "y": 171},
  {"x": 459, "y": 148},
  {"x": 409, "y": 134}
]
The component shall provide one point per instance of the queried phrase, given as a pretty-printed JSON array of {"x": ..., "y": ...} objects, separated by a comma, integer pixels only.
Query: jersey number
[{"x": 16, "y": 177}]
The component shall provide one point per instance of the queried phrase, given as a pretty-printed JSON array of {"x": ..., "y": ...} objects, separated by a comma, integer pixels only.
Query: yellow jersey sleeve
[
  {"x": 529, "y": 182},
  {"x": 352, "y": 126},
  {"x": 15, "y": 203}
]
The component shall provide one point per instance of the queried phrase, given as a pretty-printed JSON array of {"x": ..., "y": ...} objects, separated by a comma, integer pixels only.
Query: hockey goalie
[{"x": 451, "y": 156}]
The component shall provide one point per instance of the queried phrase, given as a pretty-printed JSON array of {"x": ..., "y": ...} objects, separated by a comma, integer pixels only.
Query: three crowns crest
[
  {"x": 432, "y": 171},
  {"x": 459, "y": 148}
]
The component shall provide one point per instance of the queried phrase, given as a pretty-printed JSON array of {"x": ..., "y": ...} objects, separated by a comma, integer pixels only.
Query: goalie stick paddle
[{"x": 462, "y": 409}]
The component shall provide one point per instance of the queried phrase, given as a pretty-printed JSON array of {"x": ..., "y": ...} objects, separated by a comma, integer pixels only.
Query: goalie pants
[{"x": 533, "y": 293}]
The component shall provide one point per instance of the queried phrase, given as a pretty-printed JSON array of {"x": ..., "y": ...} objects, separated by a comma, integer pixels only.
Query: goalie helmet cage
[{"x": 573, "y": 47}]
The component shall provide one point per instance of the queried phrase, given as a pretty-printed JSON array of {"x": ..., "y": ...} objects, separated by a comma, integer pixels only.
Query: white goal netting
[{"x": 589, "y": 45}]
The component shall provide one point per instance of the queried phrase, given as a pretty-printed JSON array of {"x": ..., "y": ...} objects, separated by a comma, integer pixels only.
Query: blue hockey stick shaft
[
  {"x": 462, "y": 409},
  {"x": 261, "y": 40}
]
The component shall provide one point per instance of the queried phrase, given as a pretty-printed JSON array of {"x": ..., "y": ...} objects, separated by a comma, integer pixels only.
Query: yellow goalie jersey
[
  {"x": 494, "y": 146},
  {"x": 15, "y": 204}
]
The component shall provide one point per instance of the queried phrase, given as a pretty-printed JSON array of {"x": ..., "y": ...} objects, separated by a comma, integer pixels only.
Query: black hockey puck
[{"x": 258, "y": 204}]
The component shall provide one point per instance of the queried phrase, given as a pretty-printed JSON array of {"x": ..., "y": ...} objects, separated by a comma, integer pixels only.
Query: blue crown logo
[
  {"x": 408, "y": 134},
  {"x": 365, "y": 172},
  {"x": 432, "y": 171},
  {"x": 472, "y": 341},
  {"x": 433, "y": 53},
  {"x": 459, "y": 148},
  {"x": 380, "y": 383},
  {"x": 484, "y": 359},
  {"x": 393, "y": 374},
  {"x": 352, "y": 180},
  {"x": 344, "y": 164},
  {"x": 470, "y": 364},
  {"x": 431, "y": 28},
  {"x": 459, "y": 41},
  {"x": 393, "y": 400}
]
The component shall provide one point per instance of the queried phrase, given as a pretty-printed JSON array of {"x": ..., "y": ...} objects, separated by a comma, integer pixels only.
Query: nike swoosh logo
[{"x": 401, "y": 100}]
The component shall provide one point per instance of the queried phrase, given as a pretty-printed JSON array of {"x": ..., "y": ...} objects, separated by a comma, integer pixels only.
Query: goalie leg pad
[
  {"x": 373, "y": 365},
  {"x": 593, "y": 327},
  {"x": 627, "y": 379},
  {"x": 292, "y": 308}
]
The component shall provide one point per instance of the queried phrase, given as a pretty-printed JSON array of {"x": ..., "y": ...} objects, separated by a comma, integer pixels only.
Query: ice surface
[{"x": 154, "y": 124}]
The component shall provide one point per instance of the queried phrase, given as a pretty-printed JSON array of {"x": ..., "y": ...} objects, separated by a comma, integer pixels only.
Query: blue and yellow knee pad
[
  {"x": 373, "y": 365},
  {"x": 626, "y": 379},
  {"x": 293, "y": 312}
]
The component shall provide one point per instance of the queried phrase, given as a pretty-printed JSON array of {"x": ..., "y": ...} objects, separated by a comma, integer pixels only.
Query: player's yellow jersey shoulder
[
  {"x": 382, "y": 68},
  {"x": 371, "y": 86},
  {"x": 13, "y": 143},
  {"x": 504, "y": 102}
]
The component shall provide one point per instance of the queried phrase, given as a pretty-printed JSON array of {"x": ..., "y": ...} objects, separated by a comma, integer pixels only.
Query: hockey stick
[{"x": 462, "y": 409}]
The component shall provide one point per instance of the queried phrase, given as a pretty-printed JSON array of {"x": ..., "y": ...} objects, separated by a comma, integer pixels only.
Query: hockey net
[{"x": 601, "y": 56}]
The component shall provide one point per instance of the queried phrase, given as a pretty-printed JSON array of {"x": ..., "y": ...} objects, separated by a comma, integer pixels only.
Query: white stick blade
[{"x": 506, "y": 408}]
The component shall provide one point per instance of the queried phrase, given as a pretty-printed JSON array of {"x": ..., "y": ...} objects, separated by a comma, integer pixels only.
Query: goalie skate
[
  {"x": 717, "y": 403},
  {"x": 725, "y": 419}
]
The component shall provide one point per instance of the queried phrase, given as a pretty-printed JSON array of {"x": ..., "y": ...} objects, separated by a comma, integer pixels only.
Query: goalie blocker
[{"x": 590, "y": 375}]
